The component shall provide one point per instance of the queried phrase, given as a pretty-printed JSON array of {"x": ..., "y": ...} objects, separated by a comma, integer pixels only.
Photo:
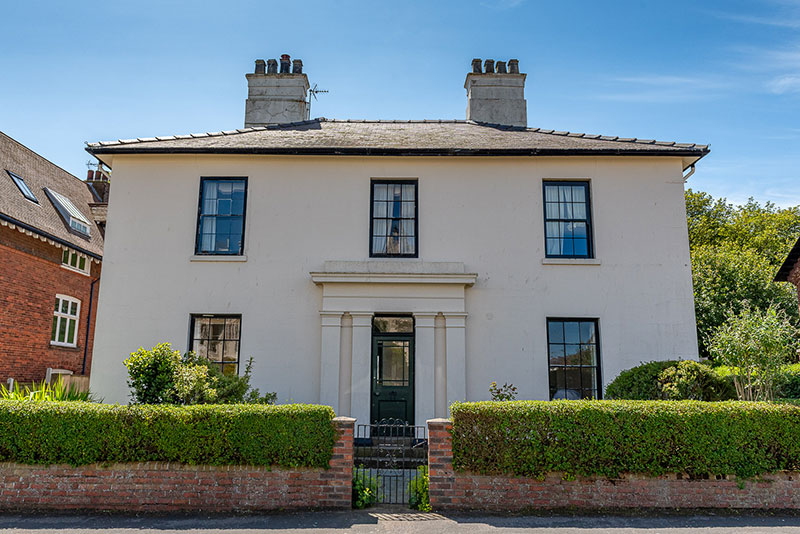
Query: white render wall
[{"x": 484, "y": 212}]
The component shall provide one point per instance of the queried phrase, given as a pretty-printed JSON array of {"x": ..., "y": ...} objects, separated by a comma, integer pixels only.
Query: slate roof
[
  {"x": 397, "y": 138},
  {"x": 788, "y": 265},
  {"x": 43, "y": 218}
]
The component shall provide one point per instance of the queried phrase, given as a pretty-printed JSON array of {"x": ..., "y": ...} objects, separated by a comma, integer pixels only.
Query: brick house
[
  {"x": 51, "y": 246},
  {"x": 790, "y": 270}
]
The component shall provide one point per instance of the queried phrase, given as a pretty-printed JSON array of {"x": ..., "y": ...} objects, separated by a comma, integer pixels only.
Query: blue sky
[{"x": 725, "y": 73}]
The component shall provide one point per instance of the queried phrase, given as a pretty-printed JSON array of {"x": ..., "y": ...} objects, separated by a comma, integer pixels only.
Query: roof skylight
[
  {"x": 23, "y": 187},
  {"x": 71, "y": 214}
]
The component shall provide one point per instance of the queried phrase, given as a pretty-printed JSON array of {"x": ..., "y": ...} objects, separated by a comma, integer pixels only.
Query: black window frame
[
  {"x": 598, "y": 357},
  {"x": 16, "y": 178},
  {"x": 198, "y": 235},
  {"x": 588, "y": 220},
  {"x": 220, "y": 365},
  {"x": 388, "y": 181}
]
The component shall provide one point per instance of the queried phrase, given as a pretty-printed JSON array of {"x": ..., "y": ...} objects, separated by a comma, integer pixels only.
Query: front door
[{"x": 392, "y": 368}]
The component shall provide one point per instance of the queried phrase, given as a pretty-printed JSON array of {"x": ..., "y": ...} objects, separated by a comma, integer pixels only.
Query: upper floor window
[
  {"x": 573, "y": 351},
  {"x": 77, "y": 221},
  {"x": 567, "y": 220},
  {"x": 394, "y": 230},
  {"x": 75, "y": 261},
  {"x": 220, "y": 220},
  {"x": 216, "y": 338},
  {"x": 23, "y": 187},
  {"x": 65, "y": 321}
]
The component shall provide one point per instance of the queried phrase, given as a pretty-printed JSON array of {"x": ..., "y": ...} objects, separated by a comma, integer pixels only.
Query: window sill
[
  {"x": 74, "y": 269},
  {"x": 218, "y": 258},
  {"x": 63, "y": 345},
  {"x": 571, "y": 261}
]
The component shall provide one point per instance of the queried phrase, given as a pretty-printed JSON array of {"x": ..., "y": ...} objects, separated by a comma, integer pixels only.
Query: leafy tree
[
  {"x": 727, "y": 279},
  {"x": 736, "y": 251}
]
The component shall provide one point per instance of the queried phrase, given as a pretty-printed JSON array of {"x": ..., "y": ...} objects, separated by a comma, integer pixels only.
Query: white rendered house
[{"x": 388, "y": 268}]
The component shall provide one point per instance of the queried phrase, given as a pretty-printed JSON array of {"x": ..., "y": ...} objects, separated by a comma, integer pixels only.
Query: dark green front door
[{"x": 393, "y": 369}]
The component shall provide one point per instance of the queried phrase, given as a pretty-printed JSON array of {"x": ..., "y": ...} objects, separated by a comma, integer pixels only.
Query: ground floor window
[
  {"x": 573, "y": 350},
  {"x": 216, "y": 338},
  {"x": 65, "y": 321}
]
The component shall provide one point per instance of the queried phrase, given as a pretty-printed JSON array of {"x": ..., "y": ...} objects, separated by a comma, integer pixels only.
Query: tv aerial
[{"x": 313, "y": 92}]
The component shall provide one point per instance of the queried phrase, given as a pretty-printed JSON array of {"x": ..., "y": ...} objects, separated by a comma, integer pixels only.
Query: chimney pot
[
  {"x": 488, "y": 66},
  {"x": 501, "y": 67},
  {"x": 272, "y": 67},
  {"x": 90, "y": 176},
  {"x": 513, "y": 66},
  {"x": 285, "y": 64},
  {"x": 261, "y": 67},
  {"x": 476, "y": 66},
  {"x": 297, "y": 66}
]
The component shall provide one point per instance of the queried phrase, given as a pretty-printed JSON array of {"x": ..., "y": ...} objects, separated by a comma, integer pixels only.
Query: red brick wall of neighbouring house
[
  {"x": 30, "y": 277},
  {"x": 165, "y": 487},
  {"x": 451, "y": 490}
]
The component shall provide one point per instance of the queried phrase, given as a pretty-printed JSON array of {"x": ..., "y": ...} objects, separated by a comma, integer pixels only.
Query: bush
[
  {"x": 162, "y": 376},
  {"x": 608, "y": 438},
  {"x": 690, "y": 380},
  {"x": 79, "y": 433},
  {"x": 365, "y": 489},
  {"x": 506, "y": 392},
  {"x": 756, "y": 345},
  {"x": 640, "y": 382},
  {"x": 789, "y": 383},
  {"x": 419, "y": 498},
  {"x": 57, "y": 391}
]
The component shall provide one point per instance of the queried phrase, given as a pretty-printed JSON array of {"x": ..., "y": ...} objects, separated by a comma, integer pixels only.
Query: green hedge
[
  {"x": 79, "y": 433},
  {"x": 607, "y": 438}
]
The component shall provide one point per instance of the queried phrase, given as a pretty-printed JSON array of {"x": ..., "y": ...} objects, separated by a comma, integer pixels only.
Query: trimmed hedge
[
  {"x": 608, "y": 438},
  {"x": 80, "y": 433}
]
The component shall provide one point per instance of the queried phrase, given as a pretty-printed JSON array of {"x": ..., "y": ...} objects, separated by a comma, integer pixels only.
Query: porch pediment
[{"x": 391, "y": 272}]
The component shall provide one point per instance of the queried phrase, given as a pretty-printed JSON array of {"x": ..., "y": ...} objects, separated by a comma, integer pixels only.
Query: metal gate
[{"x": 387, "y": 456}]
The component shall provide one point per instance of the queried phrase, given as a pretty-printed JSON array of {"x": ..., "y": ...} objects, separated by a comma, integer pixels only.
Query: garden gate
[{"x": 387, "y": 456}]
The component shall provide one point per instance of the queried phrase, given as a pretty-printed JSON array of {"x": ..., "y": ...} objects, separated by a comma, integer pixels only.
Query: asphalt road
[{"x": 392, "y": 521}]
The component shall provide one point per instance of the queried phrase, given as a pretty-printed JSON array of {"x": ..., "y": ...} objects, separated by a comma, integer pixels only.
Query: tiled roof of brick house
[
  {"x": 402, "y": 138},
  {"x": 42, "y": 217},
  {"x": 792, "y": 261}
]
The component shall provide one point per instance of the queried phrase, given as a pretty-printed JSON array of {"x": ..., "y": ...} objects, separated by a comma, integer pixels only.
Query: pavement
[{"x": 395, "y": 520}]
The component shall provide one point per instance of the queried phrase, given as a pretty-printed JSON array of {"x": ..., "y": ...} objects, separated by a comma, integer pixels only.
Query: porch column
[
  {"x": 361, "y": 390},
  {"x": 424, "y": 385},
  {"x": 329, "y": 359},
  {"x": 439, "y": 366},
  {"x": 456, "y": 357},
  {"x": 345, "y": 365}
]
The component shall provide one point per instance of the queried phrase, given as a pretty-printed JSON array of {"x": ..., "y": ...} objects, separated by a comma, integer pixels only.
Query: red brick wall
[
  {"x": 30, "y": 277},
  {"x": 165, "y": 487},
  {"x": 451, "y": 490}
]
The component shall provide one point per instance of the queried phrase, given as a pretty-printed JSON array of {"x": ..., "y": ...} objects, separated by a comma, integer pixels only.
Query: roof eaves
[{"x": 789, "y": 264}]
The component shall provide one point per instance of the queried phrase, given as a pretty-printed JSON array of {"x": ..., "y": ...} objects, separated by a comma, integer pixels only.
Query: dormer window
[
  {"x": 23, "y": 187},
  {"x": 69, "y": 212}
]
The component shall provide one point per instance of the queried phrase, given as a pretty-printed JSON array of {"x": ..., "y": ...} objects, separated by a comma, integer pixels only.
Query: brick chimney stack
[
  {"x": 496, "y": 94},
  {"x": 276, "y": 97}
]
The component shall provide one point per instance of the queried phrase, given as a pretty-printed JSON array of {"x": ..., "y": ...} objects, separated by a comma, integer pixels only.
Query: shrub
[
  {"x": 690, "y": 380},
  {"x": 789, "y": 383},
  {"x": 79, "y": 433},
  {"x": 365, "y": 489},
  {"x": 419, "y": 499},
  {"x": 57, "y": 391},
  {"x": 640, "y": 382},
  {"x": 506, "y": 392},
  {"x": 163, "y": 376},
  {"x": 608, "y": 438},
  {"x": 755, "y": 344},
  {"x": 151, "y": 374}
]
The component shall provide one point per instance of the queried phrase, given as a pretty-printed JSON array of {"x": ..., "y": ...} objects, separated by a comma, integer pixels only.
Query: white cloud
[{"x": 789, "y": 83}]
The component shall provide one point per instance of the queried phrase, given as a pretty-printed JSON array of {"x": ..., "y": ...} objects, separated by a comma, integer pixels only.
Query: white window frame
[
  {"x": 60, "y": 316},
  {"x": 77, "y": 256}
]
